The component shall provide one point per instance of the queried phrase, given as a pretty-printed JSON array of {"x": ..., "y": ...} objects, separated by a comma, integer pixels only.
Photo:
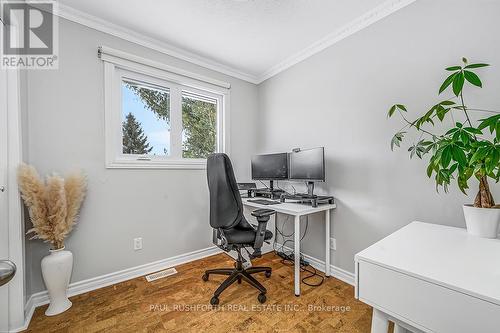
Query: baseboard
[
  {"x": 335, "y": 271},
  {"x": 98, "y": 282}
]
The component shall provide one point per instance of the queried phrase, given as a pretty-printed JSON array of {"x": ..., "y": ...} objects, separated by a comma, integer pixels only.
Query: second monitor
[{"x": 307, "y": 165}]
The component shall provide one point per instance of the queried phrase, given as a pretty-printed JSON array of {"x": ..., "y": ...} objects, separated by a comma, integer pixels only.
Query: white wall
[
  {"x": 64, "y": 122},
  {"x": 339, "y": 99}
]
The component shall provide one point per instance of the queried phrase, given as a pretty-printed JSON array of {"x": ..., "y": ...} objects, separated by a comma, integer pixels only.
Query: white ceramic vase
[
  {"x": 482, "y": 222},
  {"x": 56, "y": 271}
]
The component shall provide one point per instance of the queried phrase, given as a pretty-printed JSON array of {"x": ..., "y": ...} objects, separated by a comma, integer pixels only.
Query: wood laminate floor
[{"x": 180, "y": 303}]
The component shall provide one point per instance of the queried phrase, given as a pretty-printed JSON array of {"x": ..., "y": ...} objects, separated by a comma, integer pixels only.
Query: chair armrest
[
  {"x": 263, "y": 216},
  {"x": 263, "y": 213}
]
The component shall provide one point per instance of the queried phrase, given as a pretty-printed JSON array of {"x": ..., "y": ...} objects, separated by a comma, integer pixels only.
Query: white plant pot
[
  {"x": 482, "y": 222},
  {"x": 56, "y": 271}
]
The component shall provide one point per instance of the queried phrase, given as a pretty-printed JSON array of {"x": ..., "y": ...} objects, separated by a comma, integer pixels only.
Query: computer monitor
[
  {"x": 308, "y": 165},
  {"x": 270, "y": 167}
]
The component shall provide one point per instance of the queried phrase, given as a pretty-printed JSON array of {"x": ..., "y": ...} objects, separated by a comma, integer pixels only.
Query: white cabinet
[{"x": 431, "y": 278}]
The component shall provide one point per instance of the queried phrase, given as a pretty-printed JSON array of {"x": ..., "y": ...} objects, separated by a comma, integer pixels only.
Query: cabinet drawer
[{"x": 425, "y": 305}]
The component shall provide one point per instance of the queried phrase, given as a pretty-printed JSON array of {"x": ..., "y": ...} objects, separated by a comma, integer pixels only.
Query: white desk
[
  {"x": 298, "y": 210},
  {"x": 431, "y": 278}
]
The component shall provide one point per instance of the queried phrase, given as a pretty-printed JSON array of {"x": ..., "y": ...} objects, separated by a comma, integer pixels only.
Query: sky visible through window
[{"x": 157, "y": 131}]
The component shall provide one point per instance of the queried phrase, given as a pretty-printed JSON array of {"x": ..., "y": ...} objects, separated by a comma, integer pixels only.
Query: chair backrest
[{"x": 226, "y": 208}]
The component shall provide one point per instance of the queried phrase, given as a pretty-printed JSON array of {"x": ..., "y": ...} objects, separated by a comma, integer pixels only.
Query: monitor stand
[
  {"x": 270, "y": 192},
  {"x": 310, "y": 192},
  {"x": 310, "y": 189}
]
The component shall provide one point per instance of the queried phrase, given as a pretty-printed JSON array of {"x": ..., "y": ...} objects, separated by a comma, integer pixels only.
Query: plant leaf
[
  {"x": 473, "y": 130},
  {"x": 447, "y": 82},
  {"x": 446, "y": 157},
  {"x": 459, "y": 155},
  {"x": 458, "y": 83},
  {"x": 473, "y": 78},
  {"x": 396, "y": 139},
  {"x": 401, "y": 107},
  {"x": 453, "y": 68},
  {"x": 391, "y": 111},
  {"x": 441, "y": 112},
  {"x": 476, "y": 65}
]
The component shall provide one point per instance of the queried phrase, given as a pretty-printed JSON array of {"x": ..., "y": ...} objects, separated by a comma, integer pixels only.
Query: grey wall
[
  {"x": 339, "y": 99},
  {"x": 64, "y": 119}
]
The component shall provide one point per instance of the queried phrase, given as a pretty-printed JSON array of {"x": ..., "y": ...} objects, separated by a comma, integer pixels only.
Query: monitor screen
[
  {"x": 308, "y": 164},
  {"x": 270, "y": 166}
]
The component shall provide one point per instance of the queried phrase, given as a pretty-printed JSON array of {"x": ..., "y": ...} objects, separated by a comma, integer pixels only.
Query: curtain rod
[{"x": 102, "y": 51}]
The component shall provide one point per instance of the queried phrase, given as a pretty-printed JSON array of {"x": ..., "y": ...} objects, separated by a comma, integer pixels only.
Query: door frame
[{"x": 16, "y": 238}]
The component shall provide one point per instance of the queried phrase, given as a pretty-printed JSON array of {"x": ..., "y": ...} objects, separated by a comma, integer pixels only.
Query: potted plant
[
  {"x": 53, "y": 207},
  {"x": 466, "y": 149}
]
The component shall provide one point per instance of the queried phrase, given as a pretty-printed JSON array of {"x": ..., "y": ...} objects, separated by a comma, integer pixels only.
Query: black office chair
[{"x": 232, "y": 229}]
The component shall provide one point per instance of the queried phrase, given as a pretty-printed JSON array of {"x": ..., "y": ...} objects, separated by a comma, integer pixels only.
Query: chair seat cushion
[{"x": 244, "y": 236}]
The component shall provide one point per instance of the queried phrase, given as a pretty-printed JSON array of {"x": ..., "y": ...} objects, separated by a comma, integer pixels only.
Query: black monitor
[
  {"x": 270, "y": 167},
  {"x": 308, "y": 165}
]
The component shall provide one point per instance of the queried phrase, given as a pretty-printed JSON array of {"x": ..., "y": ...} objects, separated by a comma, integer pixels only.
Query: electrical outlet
[
  {"x": 333, "y": 244},
  {"x": 137, "y": 244}
]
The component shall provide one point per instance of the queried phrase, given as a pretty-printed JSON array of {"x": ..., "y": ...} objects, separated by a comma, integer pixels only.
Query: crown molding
[
  {"x": 77, "y": 16},
  {"x": 385, "y": 9}
]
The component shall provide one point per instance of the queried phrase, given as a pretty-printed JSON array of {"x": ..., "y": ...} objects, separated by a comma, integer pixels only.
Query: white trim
[
  {"x": 14, "y": 210},
  {"x": 110, "y": 55},
  {"x": 387, "y": 8},
  {"x": 16, "y": 223},
  {"x": 80, "y": 287},
  {"x": 119, "y": 65},
  {"x": 176, "y": 164},
  {"x": 335, "y": 271},
  {"x": 99, "y": 24}
]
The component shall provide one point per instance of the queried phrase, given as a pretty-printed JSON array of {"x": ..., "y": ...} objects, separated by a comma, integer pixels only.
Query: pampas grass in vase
[{"x": 53, "y": 207}]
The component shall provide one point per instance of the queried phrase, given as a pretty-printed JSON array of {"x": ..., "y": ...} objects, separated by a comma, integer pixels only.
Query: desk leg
[
  {"x": 297, "y": 255},
  {"x": 380, "y": 323},
  {"x": 327, "y": 242}
]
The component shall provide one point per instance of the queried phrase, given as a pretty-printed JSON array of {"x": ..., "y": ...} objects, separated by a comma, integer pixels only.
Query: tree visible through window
[
  {"x": 146, "y": 127},
  {"x": 146, "y": 123},
  {"x": 199, "y": 122},
  {"x": 134, "y": 140}
]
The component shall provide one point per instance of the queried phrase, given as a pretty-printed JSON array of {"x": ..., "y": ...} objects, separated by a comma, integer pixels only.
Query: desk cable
[{"x": 287, "y": 258}]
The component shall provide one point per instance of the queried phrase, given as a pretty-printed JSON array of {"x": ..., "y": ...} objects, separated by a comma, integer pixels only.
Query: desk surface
[
  {"x": 290, "y": 208},
  {"x": 442, "y": 255}
]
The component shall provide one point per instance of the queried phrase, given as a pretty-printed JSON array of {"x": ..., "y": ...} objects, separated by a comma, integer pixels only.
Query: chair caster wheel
[
  {"x": 262, "y": 298},
  {"x": 205, "y": 277},
  {"x": 268, "y": 274},
  {"x": 214, "y": 300}
]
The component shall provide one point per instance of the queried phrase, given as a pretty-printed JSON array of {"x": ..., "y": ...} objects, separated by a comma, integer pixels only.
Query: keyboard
[{"x": 264, "y": 202}]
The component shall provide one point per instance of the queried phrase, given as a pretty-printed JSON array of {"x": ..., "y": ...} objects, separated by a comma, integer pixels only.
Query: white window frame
[{"x": 119, "y": 66}]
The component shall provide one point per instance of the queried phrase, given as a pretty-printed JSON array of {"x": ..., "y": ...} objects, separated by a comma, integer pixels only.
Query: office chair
[{"x": 232, "y": 229}]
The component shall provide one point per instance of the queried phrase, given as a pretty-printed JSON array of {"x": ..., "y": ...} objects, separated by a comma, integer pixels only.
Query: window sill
[{"x": 180, "y": 164}]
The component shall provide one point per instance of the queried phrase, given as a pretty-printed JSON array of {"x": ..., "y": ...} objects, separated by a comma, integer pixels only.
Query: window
[
  {"x": 157, "y": 119},
  {"x": 145, "y": 119},
  {"x": 199, "y": 125}
]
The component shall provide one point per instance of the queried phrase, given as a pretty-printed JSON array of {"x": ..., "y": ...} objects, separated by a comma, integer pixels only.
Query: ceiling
[{"x": 252, "y": 38}]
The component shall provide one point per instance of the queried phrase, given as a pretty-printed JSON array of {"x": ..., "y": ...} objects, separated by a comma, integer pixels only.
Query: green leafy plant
[{"x": 467, "y": 149}]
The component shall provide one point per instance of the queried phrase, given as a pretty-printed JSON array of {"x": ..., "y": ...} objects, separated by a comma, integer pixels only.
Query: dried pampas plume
[{"x": 53, "y": 205}]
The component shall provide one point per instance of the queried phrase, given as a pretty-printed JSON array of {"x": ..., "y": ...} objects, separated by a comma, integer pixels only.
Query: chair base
[{"x": 238, "y": 274}]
